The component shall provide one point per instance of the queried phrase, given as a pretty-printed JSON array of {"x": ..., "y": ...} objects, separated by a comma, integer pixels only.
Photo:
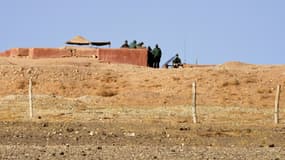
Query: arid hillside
[
  {"x": 229, "y": 84},
  {"x": 85, "y": 109}
]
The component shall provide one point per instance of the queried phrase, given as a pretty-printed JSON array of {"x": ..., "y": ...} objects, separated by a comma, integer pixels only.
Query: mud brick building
[{"x": 108, "y": 55}]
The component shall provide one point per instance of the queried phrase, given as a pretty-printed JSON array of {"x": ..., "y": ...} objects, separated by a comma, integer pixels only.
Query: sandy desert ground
[{"x": 84, "y": 109}]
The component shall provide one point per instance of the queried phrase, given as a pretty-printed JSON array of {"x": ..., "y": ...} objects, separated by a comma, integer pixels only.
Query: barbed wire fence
[
  {"x": 275, "y": 110},
  {"x": 52, "y": 106}
]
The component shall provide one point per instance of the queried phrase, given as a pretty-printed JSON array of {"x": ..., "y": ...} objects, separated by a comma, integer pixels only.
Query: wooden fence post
[
  {"x": 276, "y": 109},
  {"x": 30, "y": 98},
  {"x": 194, "y": 114}
]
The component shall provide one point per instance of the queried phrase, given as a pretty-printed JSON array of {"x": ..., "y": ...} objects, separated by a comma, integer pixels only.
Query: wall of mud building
[
  {"x": 5, "y": 53},
  {"x": 19, "y": 52},
  {"x": 84, "y": 52},
  {"x": 48, "y": 53},
  {"x": 109, "y": 55},
  {"x": 62, "y": 52},
  {"x": 122, "y": 55}
]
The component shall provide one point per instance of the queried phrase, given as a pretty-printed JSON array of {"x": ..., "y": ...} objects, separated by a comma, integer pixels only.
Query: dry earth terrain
[{"x": 84, "y": 109}]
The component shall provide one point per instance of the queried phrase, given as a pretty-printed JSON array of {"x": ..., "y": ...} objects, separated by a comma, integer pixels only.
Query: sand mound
[{"x": 236, "y": 65}]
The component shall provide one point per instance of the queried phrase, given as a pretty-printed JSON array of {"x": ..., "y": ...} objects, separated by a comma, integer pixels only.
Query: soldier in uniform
[
  {"x": 140, "y": 45},
  {"x": 133, "y": 44},
  {"x": 149, "y": 57},
  {"x": 176, "y": 62},
  {"x": 156, "y": 52},
  {"x": 125, "y": 45}
]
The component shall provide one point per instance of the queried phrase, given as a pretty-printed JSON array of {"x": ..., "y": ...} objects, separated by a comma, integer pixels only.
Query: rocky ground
[
  {"x": 84, "y": 109},
  {"x": 110, "y": 139}
]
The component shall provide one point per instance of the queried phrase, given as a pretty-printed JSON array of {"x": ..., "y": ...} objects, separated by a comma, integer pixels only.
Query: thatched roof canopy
[{"x": 79, "y": 40}]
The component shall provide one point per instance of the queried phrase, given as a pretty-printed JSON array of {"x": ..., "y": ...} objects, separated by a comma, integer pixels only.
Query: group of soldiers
[
  {"x": 153, "y": 55},
  {"x": 133, "y": 45}
]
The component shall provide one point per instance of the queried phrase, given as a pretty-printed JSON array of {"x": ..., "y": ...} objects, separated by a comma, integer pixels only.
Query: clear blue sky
[{"x": 211, "y": 31}]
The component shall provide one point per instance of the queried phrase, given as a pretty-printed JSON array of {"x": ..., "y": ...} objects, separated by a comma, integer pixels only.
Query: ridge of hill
[{"x": 229, "y": 84}]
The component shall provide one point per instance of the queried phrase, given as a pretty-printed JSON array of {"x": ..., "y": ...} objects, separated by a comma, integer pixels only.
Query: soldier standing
[
  {"x": 156, "y": 52},
  {"x": 149, "y": 57}
]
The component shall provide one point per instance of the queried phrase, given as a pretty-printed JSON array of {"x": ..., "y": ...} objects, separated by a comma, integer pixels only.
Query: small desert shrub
[
  {"x": 106, "y": 93},
  {"x": 61, "y": 86},
  {"x": 214, "y": 74},
  {"x": 233, "y": 82},
  {"x": 250, "y": 80},
  {"x": 34, "y": 83},
  {"x": 262, "y": 91},
  {"x": 21, "y": 84},
  {"x": 224, "y": 84},
  {"x": 108, "y": 73},
  {"x": 176, "y": 78},
  {"x": 155, "y": 86},
  {"x": 86, "y": 85},
  {"x": 109, "y": 79},
  {"x": 264, "y": 97}
]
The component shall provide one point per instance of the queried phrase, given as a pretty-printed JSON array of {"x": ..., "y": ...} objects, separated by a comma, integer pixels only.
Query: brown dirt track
[{"x": 85, "y": 109}]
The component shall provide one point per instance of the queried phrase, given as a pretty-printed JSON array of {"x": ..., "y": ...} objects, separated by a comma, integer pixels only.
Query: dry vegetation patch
[{"x": 231, "y": 82}]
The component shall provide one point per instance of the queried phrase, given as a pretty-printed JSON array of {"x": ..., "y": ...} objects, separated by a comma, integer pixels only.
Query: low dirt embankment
[{"x": 230, "y": 84}]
